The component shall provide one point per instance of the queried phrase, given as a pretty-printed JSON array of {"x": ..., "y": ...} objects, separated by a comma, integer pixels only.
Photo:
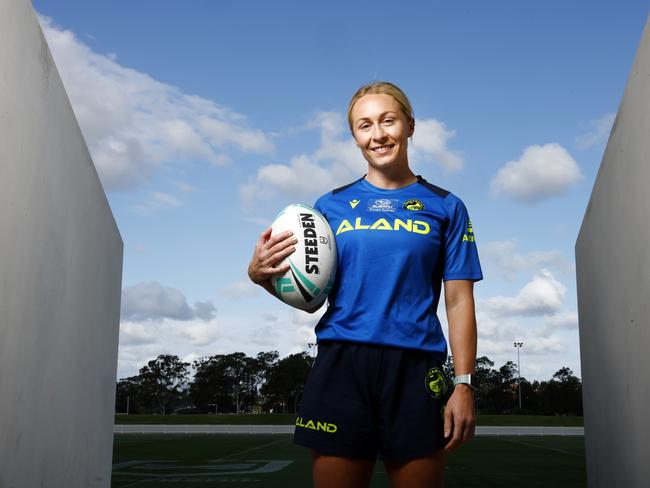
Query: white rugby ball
[{"x": 312, "y": 265}]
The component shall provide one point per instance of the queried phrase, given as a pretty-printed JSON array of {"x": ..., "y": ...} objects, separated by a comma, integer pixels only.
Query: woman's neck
[{"x": 388, "y": 181}]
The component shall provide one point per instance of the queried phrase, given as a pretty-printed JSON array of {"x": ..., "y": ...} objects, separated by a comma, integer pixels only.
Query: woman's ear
[{"x": 411, "y": 127}]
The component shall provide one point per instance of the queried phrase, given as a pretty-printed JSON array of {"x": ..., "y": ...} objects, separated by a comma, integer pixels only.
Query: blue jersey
[{"x": 394, "y": 249}]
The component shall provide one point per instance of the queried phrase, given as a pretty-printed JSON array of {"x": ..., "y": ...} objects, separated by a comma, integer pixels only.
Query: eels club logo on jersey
[
  {"x": 413, "y": 204},
  {"x": 435, "y": 383}
]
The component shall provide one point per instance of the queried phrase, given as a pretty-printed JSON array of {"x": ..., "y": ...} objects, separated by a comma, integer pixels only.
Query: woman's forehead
[{"x": 373, "y": 105}]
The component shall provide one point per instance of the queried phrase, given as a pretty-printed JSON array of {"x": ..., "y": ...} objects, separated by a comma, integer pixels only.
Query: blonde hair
[{"x": 382, "y": 88}]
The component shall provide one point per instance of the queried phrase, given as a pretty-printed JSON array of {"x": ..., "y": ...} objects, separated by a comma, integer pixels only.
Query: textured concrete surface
[
  {"x": 60, "y": 277},
  {"x": 613, "y": 273}
]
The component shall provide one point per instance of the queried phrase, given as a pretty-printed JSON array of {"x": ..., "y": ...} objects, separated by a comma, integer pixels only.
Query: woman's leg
[
  {"x": 424, "y": 472},
  {"x": 340, "y": 472}
]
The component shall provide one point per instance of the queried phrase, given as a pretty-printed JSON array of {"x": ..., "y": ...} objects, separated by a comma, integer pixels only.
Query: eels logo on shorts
[
  {"x": 413, "y": 204},
  {"x": 435, "y": 382}
]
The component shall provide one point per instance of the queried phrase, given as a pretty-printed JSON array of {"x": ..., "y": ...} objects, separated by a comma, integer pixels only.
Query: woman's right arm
[{"x": 269, "y": 251}]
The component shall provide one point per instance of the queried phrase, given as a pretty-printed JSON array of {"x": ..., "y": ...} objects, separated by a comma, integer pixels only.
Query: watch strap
[{"x": 464, "y": 379}]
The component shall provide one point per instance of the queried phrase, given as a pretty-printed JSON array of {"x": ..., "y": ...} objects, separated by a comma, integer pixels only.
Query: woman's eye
[{"x": 388, "y": 121}]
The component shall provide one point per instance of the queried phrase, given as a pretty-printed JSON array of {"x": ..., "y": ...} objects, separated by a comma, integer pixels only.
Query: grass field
[
  {"x": 147, "y": 461},
  {"x": 289, "y": 419}
]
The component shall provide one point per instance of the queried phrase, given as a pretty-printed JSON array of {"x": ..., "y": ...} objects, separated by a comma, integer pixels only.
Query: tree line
[
  {"x": 237, "y": 383},
  {"x": 223, "y": 383},
  {"x": 498, "y": 391}
]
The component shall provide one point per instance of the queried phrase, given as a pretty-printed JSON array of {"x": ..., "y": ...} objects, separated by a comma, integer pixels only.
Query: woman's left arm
[{"x": 460, "y": 415}]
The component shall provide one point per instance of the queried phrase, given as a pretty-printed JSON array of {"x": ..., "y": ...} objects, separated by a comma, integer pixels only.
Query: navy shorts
[{"x": 365, "y": 401}]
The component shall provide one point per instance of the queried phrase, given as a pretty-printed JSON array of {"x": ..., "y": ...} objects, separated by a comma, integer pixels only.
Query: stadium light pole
[{"x": 519, "y": 345}]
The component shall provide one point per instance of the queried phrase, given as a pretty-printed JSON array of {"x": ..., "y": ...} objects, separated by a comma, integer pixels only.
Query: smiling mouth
[{"x": 382, "y": 149}]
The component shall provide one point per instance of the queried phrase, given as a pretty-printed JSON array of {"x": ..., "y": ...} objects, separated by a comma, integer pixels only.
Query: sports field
[
  {"x": 147, "y": 461},
  {"x": 290, "y": 419}
]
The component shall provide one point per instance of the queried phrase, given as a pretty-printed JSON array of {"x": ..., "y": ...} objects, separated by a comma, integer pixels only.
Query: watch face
[{"x": 465, "y": 379}]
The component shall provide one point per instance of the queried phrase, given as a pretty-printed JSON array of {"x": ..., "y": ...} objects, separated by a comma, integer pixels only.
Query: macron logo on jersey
[{"x": 415, "y": 226}]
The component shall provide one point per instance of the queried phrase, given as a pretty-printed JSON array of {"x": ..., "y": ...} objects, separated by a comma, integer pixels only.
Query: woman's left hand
[{"x": 460, "y": 417}]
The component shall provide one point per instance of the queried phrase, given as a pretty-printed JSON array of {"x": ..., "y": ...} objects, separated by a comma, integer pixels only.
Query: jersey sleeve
[
  {"x": 320, "y": 205},
  {"x": 460, "y": 254}
]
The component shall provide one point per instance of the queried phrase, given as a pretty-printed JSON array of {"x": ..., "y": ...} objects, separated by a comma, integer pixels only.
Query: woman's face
[{"x": 381, "y": 130}]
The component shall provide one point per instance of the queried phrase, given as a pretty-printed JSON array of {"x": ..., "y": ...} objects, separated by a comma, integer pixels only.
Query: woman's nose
[{"x": 378, "y": 132}]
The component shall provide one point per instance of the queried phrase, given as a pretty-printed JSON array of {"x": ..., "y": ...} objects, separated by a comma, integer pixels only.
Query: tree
[
  {"x": 262, "y": 366},
  {"x": 127, "y": 394},
  {"x": 226, "y": 382},
  {"x": 286, "y": 380},
  {"x": 163, "y": 380},
  {"x": 487, "y": 383},
  {"x": 238, "y": 370},
  {"x": 209, "y": 390},
  {"x": 562, "y": 395}
]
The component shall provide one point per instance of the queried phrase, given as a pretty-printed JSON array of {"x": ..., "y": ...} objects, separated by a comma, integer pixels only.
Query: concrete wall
[
  {"x": 613, "y": 272},
  {"x": 60, "y": 277}
]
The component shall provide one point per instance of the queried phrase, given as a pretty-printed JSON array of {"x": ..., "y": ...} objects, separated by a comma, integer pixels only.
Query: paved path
[{"x": 288, "y": 429}]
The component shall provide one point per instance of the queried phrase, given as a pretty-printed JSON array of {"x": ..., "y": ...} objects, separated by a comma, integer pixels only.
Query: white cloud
[
  {"x": 133, "y": 123},
  {"x": 533, "y": 345},
  {"x": 199, "y": 332},
  {"x": 567, "y": 321},
  {"x": 509, "y": 262},
  {"x": 541, "y": 296},
  {"x": 309, "y": 319},
  {"x": 541, "y": 172},
  {"x": 240, "y": 289},
  {"x": 598, "y": 132},
  {"x": 185, "y": 187},
  {"x": 337, "y": 161},
  {"x": 157, "y": 200},
  {"x": 137, "y": 334},
  {"x": 430, "y": 144},
  {"x": 535, "y": 317},
  {"x": 143, "y": 341},
  {"x": 153, "y": 301}
]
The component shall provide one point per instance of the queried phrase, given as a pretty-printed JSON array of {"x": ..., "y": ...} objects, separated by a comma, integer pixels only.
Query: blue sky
[{"x": 206, "y": 118}]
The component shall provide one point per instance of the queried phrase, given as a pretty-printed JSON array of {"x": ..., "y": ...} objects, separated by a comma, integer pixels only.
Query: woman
[{"x": 376, "y": 388}]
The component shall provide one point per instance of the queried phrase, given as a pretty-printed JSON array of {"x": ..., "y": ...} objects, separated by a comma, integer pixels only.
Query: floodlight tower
[{"x": 518, "y": 346}]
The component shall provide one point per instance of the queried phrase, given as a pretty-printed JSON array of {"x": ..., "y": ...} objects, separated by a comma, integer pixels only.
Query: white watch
[{"x": 465, "y": 379}]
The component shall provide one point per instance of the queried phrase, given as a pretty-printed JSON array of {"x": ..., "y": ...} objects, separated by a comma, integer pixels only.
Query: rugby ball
[{"x": 312, "y": 265}]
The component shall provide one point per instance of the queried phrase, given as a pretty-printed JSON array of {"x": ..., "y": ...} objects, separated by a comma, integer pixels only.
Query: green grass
[
  {"x": 289, "y": 419},
  {"x": 188, "y": 461},
  {"x": 261, "y": 419},
  {"x": 531, "y": 420}
]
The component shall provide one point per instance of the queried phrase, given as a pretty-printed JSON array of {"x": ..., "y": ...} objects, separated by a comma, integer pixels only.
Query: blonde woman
[{"x": 377, "y": 389}]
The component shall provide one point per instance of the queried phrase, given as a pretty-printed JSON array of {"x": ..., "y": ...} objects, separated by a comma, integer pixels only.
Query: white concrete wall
[
  {"x": 613, "y": 272},
  {"x": 60, "y": 277}
]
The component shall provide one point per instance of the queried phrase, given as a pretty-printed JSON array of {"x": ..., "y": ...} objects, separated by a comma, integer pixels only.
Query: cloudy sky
[{"x": 206, "y": 118}]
